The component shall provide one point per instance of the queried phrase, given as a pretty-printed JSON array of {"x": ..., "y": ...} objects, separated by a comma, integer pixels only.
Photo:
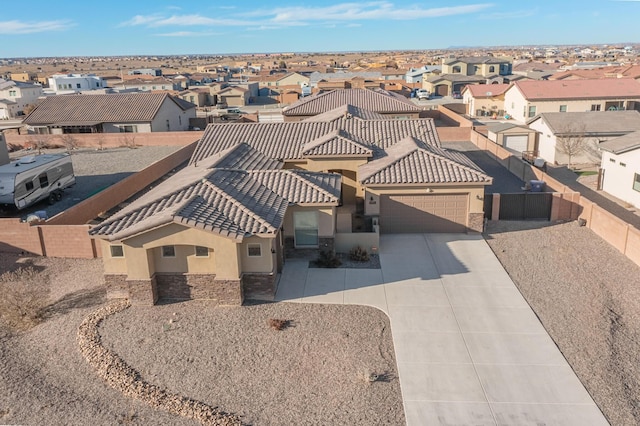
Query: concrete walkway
[{"x": 470, "y": 350}]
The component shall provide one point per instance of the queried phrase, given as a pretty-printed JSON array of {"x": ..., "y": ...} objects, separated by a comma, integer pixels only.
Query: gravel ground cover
[
  {"x": 587, "y": 295},
  {"x": 319, "y": 370},
  {"x": 96, "y": 170}
]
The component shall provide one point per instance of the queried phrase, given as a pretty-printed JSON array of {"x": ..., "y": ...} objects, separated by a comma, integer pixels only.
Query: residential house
[
  {"x": 525, "y": 99},
  {"x": 24, "y": 77},
  {"x": 621, "y": 71},
  {"x": 255, "y": 194},
  {"x": 485, "y": 100},
  {"x": 279, "y": 80},
  {"x": 154, "y": 72},
  {"x": 560, "y": 132},
  {"x": 236, "y": 95},
  {"x": 62, "y": 84},
  {"x": 385, "y": 103},
  {"x": 342, "y": 76},
  {"x": 416, "y": 75},
  {"x": 16, "y": 96},
  {"x": 148, "y": 84},
  {"x": 125, "y": 113},
  {"x": 621, "y": 168},
  {"x": 459, "y": 72},
  {"x": 200, "y": 96}
]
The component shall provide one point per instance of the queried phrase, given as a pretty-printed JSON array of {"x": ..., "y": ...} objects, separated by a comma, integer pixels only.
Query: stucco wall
[
  {"x": 264, "y": 263},
  {"x": 177, "y": 117},
  {"x": 618, "y": 179},
  {"x": 326, "y": 220}
]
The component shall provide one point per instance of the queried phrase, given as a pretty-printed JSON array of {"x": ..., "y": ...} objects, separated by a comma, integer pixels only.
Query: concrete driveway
[{"x": 470, "y": 350}]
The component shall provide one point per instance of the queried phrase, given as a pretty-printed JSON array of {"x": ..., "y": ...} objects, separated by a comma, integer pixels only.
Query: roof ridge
[
  {"x": 237, "y": 202},
  {"x": 312, "y": 184},
  {"x": 451, "y": 160}
]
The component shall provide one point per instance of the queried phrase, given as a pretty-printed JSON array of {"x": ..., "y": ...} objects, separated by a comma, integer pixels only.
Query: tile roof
[
  {"x": 456, "y": 78},
  {"x": 122, "y": 107},
  {"x": 607, "y": 88},
  {"x": 379, "y": 101},
  {"x": 477, "y": 60},
  {"x": 345, "y": 110},
  {"x": 337, "y": 143},
  {"x": 591, "y": 122},
  {"x": 486, "y": 90},
  {"x": 632, "y": 71},
  {"x": 413, "y": 162},
  {"x": 628, "y": 142},
  {"x": 301, "y": 186},
  {"x": 243, "y": 157},
  {"x": 286, "y": 141},
  {"x": 500, "y": 127}
]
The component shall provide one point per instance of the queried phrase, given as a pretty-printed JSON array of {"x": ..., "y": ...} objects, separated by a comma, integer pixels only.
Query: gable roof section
[
  {"x": 591, "y": 122},
  {"x": 477, "y": 60},
  {"x": 125, "y": 107},
  {"x": 242, "y": 157},
  {"x": 379, "y": 101},
  {"x": 578, "y": 89},
  {"x": 286, "y": 141},
  {"x": 337, "y": 143},
  {"x": 300, "y": 186},
  {"x": 626, "y": 143},
  {"x": 347, "y": 111},
  {"x": 412, "y": 162},
  {"x": 486, "y": 90}
]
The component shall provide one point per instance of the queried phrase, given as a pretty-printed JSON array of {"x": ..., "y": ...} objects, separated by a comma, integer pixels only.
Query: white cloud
[
  {"x": 300, "y": 15},
  {"x": 511, "y": 15},
  {"x": 186, "y": 34},
  {"x": 20, "y": 27}
]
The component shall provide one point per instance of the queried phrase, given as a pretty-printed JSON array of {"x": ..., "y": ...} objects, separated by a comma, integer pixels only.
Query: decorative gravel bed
[
  {"x": 331, "y": 365},
  {"x": 587, "y": 295}
]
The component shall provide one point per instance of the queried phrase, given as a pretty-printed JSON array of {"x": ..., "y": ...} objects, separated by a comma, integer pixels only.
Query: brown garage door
[{"x": 423, "y": 213}]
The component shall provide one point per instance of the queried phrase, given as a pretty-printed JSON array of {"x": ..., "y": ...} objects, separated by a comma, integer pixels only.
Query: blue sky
[{"x": 168, "y": 27}]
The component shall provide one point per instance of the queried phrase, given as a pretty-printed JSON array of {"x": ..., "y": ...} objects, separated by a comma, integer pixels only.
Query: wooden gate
[{"x": 528, "y": 205}]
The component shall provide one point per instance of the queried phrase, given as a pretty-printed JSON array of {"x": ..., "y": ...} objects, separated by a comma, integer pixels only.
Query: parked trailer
[{"x": 30, "y": 179}]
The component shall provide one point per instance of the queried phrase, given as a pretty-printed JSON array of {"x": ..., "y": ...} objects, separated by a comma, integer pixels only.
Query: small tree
[
  {"x": 572, "y": 140},
  {"x": 128, "y": 140},
  {"x": 38, "y": 142},
  {"x": 100, "y": 141},
  {"x": 69, "y": 141}
]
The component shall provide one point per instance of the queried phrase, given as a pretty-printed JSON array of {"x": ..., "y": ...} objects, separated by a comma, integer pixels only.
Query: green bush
[
  {"x": 327, "y": 259},
  {"x": 358, "y": 254}
]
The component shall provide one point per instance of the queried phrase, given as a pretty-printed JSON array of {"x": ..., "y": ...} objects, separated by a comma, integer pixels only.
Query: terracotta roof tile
[
  {"x": 301, "y": 187},
  {"x": 336, "y": 143},
  {"x": 579, "y": 89},
  {"x": 347, "y": 110}
]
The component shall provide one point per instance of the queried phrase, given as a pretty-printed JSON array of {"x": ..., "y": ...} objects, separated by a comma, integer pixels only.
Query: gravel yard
[
  {"x": 312, "y": 372},
  {"x": 96, "y": 170},
  {"x": 587, "y": 295}
]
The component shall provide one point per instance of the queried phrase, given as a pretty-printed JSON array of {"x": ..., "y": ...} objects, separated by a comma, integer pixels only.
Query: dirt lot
[
  {"x": 310, "y": 373},
  {"x": 587, "y": 295}
]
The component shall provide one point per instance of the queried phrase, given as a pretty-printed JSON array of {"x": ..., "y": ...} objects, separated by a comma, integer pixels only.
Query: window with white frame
[
  {"x": 636, "y": 182},
  {"x": 168, "y": 251},
  {"x": 532, "y": 111},
  {"x": 305, "y": 226},
  {"x": 116, "y": 251}
]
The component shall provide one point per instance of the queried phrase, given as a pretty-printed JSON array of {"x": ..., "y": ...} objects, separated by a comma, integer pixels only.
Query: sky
[{"x": 170, "y": 27}]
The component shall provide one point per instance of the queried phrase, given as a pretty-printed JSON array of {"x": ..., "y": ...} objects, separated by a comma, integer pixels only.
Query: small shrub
[
  {"x": 278, "y": 324},
  {"x": 359, "y": 254},
  {"x": 327, "y": 259},
  {"x": 129, "y": 141},
  {"x": 24, "y": 297},
  {"x": 69, "y": 141}
]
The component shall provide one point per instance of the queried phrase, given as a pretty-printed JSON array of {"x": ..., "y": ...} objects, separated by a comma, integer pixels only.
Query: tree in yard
[
  {"x": 38, "y": 142},
  {"x": 571, "y": 140},
  {"x": 69, "y": 141}
]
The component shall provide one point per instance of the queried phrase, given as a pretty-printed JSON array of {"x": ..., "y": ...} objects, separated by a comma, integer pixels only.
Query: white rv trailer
[{"x": 30, "y": 179}]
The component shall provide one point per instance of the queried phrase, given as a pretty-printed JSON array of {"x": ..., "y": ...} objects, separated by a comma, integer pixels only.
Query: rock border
[{"x": 122, "y": 377}]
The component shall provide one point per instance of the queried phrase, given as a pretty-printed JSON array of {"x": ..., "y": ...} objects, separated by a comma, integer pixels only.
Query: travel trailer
[{"x": 30, "y": 179}]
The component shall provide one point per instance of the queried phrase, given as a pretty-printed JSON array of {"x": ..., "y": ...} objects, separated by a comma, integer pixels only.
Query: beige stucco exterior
[
  {"x": 326, "y": 220},
  {"x": 486, "y": 104}
]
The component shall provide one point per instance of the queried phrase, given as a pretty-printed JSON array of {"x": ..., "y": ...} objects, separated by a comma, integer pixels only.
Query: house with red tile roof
[
  {"x": 624, "y": 71},
  {"x": 526, "y": 99}
]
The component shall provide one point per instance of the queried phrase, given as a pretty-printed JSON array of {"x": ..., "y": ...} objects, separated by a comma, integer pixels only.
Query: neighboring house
[
  {"x": 198, "y": 95},
  {"x": 514, "y": 137},
  {"x": 149, "y": 84},
  {"x": 416, "y": 75},
  {"x": 526, "y": 99},
  {"x": 485, "y": 100},
  {"x": 561, "y": 130},
  {"x": 621, "y": 168},
  {"x": 386, "y": 103},
  {"x": 17, "y": 96},
  {"x": 24, "y": 76},
  {"x": 62, "y": 84},
  {"x": 459, "y": 72},
  {"x": 234, "y": 96},
  {"x": 125, "y": 113},
  {"x": 155, "y": 72},
  {"x": 255, "y": 194},
  {"x": 8, "y": 109},
  {"x": 316, "y": 76},
  {"x": 624, "y": 71},
  {"x": 278, "y": 80}
]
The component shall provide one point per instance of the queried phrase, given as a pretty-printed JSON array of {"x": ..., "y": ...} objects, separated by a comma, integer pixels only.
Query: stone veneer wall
[
  {"x": 139, "y": 292},
  {"x": 199, "y": 286},
  {"x": 290, "y": 251},
  {"x": 476, "y": 222},
  {"x": 259, "y": 286}
]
